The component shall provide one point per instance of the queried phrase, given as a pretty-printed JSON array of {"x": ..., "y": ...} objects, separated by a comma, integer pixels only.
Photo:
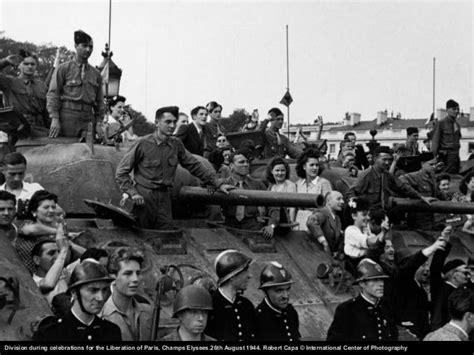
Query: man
[
  {"x": 233, "y": 315},
  {"x": 410, "y": 300},
  {"x": 423, "y": 181},
  {"x": 89, "y": 286},
  {"x": 277, "y": 319},
  {"x": 243, "y": 217},
  {"x": 365, "y": 317},
  {"x": 444, "y": 279},
  {"x": 361, "y": 161},
  {"x": 412, "y": 141},
  {"x": 26, "y": 93},
  {"x": 346, "y": 160},
  {"x": 191, "y": 306},
  {"x": 75, "y": 94},
  {"x": 377, "y": 185},
  {"x": 461, "y": 310},
  {"x": 7, "y": 215},
  {"x": 14, "y": 169},
  {"x": 446, "y": 138},
  {"x": 193, "y": 135},
  {"x": 153, "y": 161},
  {"x": 50, "y": 260},
  {"x": 134, "y": 319},
  {"x": 275, "y": 143},
  {"x": 324, "y": 224}
]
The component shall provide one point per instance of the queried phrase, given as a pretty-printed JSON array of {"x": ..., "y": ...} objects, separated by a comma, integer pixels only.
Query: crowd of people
[{"x": 95, "y": 295}]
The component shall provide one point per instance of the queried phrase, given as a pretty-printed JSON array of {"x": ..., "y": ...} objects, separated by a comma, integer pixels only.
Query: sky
[{"x": 344, "y": 56}]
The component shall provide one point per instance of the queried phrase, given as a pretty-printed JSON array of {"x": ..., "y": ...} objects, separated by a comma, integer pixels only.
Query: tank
[{"x": 79, "y": 173}]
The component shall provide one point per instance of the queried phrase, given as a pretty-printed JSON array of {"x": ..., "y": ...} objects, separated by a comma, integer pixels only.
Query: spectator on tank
[
  {"x": 461, "y": 325},
  {"x": 7, "y": 215},
  {"x": 466, "y": 195},
  {"x": 213, "y": 128},
  {"x": 183, "y": 119},
  {"x": 50, "y": 258},
  {"x": 216, "y": 158},
  {"x": 412, "y": 140},
  {"x": 360, "y": 157},
  {"x": 309, "y": 169},
  {"x": 278, "y": 175},
  {"x": 193, "y": 135},
  {"x": 222, "y": 142},
  {"x": 443, "y": 182}
]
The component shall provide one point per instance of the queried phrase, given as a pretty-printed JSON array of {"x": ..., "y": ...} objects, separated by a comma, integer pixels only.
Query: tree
[{"x": 141, "y": 126}]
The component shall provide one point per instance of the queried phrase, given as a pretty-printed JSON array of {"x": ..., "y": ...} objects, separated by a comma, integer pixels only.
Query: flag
[{"x": 287, "y": 99}]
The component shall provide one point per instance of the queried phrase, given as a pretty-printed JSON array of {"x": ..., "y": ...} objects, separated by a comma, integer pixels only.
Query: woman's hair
[
  {"x": 212, "y": 105},
  {"x": 302, "y": 160},
  {"x": 216, "y": 158},
  {"x": 37, "y": 198},
  {"x": 465, "y": 181},
  {"x": 276, "y": 161},
  {"x": 358, "y": 204}
]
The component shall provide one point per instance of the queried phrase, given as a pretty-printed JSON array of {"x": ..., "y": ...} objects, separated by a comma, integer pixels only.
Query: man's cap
[
  {"x": 427, "y": 156},
  {"x": 274, "y": 113},
  {"x": 81, "y": 37},
  {"x": 411, "y": 130},
  {"x": 452, "y": 264},
  {"x": 117, "y": 98},
  {"x": 451, "y": 104},
  {"x": 174, "y": 110},
  {"x": 383, "y": 149}
]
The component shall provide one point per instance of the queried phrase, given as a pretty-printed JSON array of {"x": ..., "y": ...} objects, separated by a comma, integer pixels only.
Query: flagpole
[
  {"x": 288, "y": 78},
  {"x": 434, "y": 76}
]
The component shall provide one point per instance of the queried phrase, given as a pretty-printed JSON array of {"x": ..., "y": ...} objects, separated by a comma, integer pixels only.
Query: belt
[{"x": 76, "y": 106}]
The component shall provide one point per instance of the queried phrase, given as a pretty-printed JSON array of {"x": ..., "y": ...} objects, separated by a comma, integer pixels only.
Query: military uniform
[
  {"x": 278, "y": 145},
  {"x": 69, "y": 328},
  {"x": 278, "y": 325},
  {"x": 358, "y": 319},
  {"x": 231, "y": 321}
]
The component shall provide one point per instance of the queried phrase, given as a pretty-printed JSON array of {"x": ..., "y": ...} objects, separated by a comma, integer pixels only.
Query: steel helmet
[
  {"x": 192, "y": 297},
  {"x": 274, "y": 274},
  {"x": 230, "y": 263},
  {"x": 88, "y": 272},
  {"x": 368, "y": 269}
]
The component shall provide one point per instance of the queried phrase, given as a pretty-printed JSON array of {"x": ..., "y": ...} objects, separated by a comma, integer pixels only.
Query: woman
[
  {"x": 278, "y": 175},
  {"x": 46, "y": 216},
  {"x": 466, "y": 195},
  {"x": 222, "y": 141},
  {"x": 117, "y": 118},
  {"x": 357, "y": 237},
  {"x": 308, "y": 168}
]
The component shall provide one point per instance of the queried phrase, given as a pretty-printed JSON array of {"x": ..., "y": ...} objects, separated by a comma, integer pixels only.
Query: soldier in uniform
[
  {"x": 275, "y": 143},
  {"x": 276, "y": 318},
  {"x": 233, "y": 316},
  {"x": 75, "y": 94},
  {"x": 191, "y": 306},
  {"x": 89, "y": 286},
  {"x": 365, "y": 317}
]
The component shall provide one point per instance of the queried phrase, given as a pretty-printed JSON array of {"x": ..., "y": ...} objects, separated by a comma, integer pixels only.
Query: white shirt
[
  {"x": 25, "y": 193},
  {"x": 61, "y": 286},
  {"x": 355, "y": 242},
  {"x": 319, "y": 186}
]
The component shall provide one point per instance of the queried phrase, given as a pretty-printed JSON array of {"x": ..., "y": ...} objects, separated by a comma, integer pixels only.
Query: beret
[
  {"x": 81, "y": 37},
  {"x": 174, "y": 110}
]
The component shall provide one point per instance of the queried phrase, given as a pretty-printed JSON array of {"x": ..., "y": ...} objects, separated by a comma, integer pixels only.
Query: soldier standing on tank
[
  {"x": 366, "y": 317},
  {"x": 90, "y": 287},
  {"x": 75, "y": 94},
  {"x": 233, "y": 316},
  {"x": 191, "y": 306},
  {"x": 276, "y": 317},
  {"x": 153, "y": 161}
]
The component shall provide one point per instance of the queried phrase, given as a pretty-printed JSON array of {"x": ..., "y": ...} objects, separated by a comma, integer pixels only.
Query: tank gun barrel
[
  {"x": 251, "y": 198},
  {"x": 436, "y": 206}
]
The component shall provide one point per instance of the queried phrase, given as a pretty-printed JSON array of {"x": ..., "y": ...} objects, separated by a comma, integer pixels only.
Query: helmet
[
  {"x": 230, "y": 263},
  {"x": 192, "y": 297},
  {"x": 369, "y": 270},
  {"x": 274, "y": 274},
  {"x": 87, "y": 272}
]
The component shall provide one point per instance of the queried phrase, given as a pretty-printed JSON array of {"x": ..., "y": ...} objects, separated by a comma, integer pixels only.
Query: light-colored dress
[
  {"x": 286, "y": 186},
  {"x": 319, "y": 186}
]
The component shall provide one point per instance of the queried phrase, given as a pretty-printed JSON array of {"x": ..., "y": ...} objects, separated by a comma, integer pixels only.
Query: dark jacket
[
  {"x": 188, "y": 134},
  {"x": 69, "y": 328},
  {"x": 274, "y": 325},
  {"x": 357, "y": 319},
  {"x": 321, "y": 222},
  {"x": 411, "y": 301},
  {"x": 446, "y": 136},
  {"x": 231, "y": 321}
]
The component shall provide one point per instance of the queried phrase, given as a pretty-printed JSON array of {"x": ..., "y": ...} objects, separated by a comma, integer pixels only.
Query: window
[{"x": 332, "y": 148}]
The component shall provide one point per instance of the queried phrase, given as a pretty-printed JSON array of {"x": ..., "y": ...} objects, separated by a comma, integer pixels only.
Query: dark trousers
[
  {"x": 452, "y": 161},
  {"x": 156, "y": 212},
  {"x": 73, "y": 123}
]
